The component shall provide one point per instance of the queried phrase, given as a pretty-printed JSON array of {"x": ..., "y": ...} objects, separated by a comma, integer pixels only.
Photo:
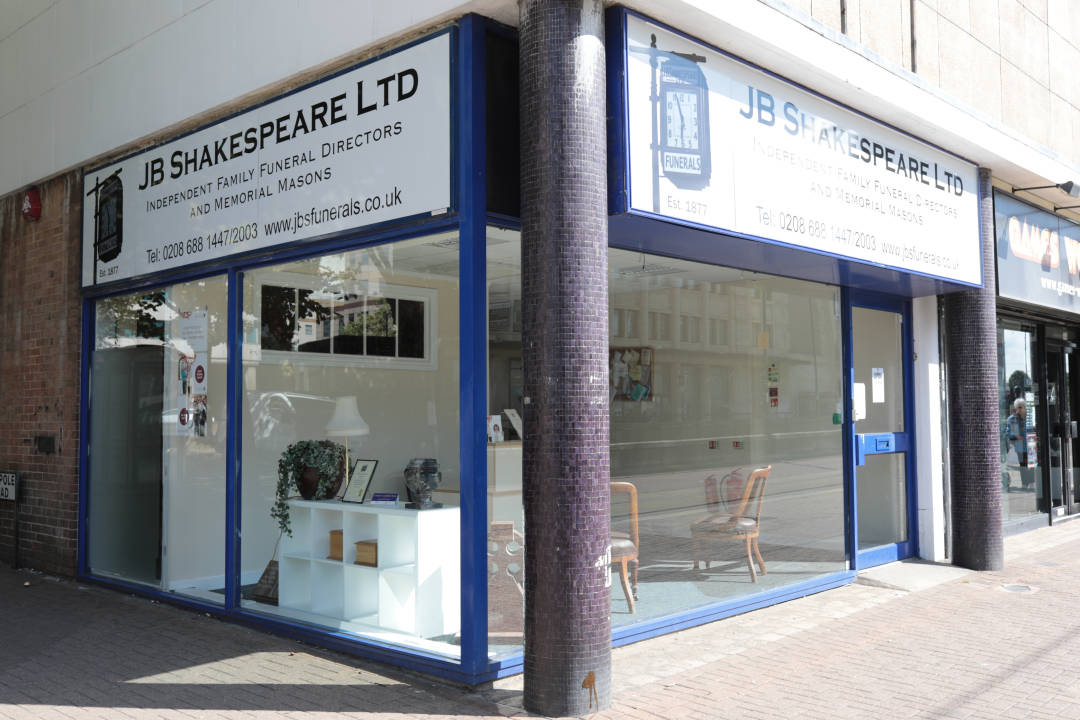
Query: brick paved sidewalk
[{"x": 963, "y": 648}]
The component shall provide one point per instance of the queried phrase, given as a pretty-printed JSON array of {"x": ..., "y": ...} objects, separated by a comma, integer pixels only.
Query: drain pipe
[{"x": 911, "y": 23}]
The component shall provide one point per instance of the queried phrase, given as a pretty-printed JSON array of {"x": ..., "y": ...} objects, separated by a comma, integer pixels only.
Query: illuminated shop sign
[
  {"x": 715, "y": 142},
  {"x": 1038, "y": 255},
  {"x": 364, "y": 147}
]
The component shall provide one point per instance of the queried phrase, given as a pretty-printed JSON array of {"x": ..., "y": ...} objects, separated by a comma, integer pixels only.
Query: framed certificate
[{"x": 357, "y": 489}]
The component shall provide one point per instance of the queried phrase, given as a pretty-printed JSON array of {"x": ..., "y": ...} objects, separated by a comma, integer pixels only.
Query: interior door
[
  {"x": 125, "y": 468},
  {"x": 880, "y": 419}
]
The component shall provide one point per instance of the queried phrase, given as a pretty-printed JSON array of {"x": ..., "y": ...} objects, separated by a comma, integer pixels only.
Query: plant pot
[{"x": 308, "y": 483}]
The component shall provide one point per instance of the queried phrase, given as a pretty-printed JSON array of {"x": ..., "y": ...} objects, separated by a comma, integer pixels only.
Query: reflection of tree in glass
[
  {"x": 132, "y": 316},
  {"x": 1018, "y": 383},
  {"x": 279, "y": 315},
  {"x": 380, "y": 320},
  {"x": 381, "y": 328},
  {"x": 1019, "y": 379},
  {"x": 312, "y": 309}
]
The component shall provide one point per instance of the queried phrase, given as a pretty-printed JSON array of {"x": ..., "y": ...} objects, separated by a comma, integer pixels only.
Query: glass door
[
  {"x": 1020, "y": 409},
  {"x": 1071, "y": 435},
  {"x": 1059, "y": 451},
  {"x": 882, "y": 506}
]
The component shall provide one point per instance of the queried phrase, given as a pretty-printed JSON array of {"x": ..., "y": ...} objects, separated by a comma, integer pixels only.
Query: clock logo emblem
[
  {"x": 108, "y": 218},
  {"x": 684, "y": 123}
]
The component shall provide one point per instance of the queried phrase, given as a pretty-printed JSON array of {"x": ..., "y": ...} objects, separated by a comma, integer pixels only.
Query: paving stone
[{"x": 962, "y": 649}]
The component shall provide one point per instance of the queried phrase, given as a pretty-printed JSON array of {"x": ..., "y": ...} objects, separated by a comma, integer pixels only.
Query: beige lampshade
[{"x": 346, "y": 421}]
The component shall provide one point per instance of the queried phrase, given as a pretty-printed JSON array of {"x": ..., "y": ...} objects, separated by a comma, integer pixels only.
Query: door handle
[{"x": 877, "y": 444}]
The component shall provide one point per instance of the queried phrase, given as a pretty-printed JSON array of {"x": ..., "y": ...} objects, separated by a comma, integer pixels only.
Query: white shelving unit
[{"x": 415, "y": 588}]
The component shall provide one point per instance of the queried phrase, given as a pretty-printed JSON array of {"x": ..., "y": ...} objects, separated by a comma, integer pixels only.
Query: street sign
[{"x": 9, "y": 485}]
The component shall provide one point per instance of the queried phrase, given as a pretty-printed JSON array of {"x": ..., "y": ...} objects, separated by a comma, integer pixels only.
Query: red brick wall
[{"x": 40, "y": 329}]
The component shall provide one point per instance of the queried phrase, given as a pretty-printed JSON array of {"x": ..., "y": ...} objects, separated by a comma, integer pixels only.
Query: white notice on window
[
  {"x": 858, "y": 397},
  {"x": 191, "y": 332},
  {"x": 877, "y": 379}
]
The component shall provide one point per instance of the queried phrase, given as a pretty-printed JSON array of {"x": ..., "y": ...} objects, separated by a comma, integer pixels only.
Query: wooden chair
[
  {"x": 624, "y": 546},
  {"x": 743, "y": 524}
]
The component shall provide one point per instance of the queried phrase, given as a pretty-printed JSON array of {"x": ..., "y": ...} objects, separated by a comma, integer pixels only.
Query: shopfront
[
  {"x": 806, "y": 365},
  {"x": 1038, "y": 258},
  {"x": 325, "y": 274},
  {"x": 265, "y": 296}
]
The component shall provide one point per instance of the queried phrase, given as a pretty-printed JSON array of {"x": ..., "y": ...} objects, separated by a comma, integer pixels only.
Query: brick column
[
  {"x": 971, "y": 340},
  {"x": 565, "y": 338}
]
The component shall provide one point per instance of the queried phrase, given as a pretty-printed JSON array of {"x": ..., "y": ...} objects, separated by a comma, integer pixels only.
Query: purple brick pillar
[
  {"x": 974, "y": 439},
  {"x": 565, "y": 339}
]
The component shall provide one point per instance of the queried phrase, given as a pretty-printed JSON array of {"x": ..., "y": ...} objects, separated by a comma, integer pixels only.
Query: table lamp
[{"x": 345, "y": 423}]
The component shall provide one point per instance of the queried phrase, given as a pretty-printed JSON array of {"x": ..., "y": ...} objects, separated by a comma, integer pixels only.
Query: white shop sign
[
  {"x": 730, "y": 147},
  {"x": 366, "y": 146}
]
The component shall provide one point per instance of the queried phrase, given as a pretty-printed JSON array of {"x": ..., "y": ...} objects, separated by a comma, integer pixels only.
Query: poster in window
[
  {"x": 631, "y": 373},
  {"x": 198, "y": 415},
  {"x": 198, "y": 372},
  {"x": 183, "y": 370},
  {"x": 185, "y": 422},
  {"x": 192, "y": 331}
]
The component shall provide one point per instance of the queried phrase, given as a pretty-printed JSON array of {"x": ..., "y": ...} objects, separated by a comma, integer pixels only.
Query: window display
[
  {"x": 350, "y": 373},
  {"x": 720, "y": 379}
]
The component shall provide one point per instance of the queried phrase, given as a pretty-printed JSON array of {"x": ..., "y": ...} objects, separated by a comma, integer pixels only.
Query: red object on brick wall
[{"x": 31, "y": 205}]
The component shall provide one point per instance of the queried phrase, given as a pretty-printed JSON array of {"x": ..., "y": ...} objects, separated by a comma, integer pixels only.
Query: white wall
[
  {"x": 928, "y": 442},
  {"x": 79, "y": 79}
]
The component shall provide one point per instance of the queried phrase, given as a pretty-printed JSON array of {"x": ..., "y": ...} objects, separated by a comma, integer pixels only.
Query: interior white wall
[
  {"x": 927, "y": 393},
  {"x": 411, "y": 413}
]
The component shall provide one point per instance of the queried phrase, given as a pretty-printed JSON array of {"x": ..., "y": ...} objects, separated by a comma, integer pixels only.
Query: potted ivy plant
[{"x": 313, "y": 468}]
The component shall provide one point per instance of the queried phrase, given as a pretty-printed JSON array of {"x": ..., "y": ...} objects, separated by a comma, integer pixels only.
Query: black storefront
[{"x": 1038, "y": 281}]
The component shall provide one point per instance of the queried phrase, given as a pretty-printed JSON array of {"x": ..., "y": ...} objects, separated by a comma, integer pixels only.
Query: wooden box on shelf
[
  {"x": 367, "y": 553},
  {"x": 335, "y": 545}
]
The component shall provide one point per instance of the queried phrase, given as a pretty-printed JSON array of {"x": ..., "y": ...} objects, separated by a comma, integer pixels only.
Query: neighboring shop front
[{"x": 1038, "y": 262}]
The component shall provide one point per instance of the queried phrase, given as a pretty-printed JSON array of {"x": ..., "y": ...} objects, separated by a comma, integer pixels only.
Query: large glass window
[
  {"x": 714, "y": 373},
  {"x": 1018, "y": 403},
  {"x": 157, "y": 439},
  {"x": 355, "y": 352}
]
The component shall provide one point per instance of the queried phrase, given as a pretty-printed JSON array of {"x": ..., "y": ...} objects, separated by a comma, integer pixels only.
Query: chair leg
[
  {"x": 626, "y": 585},
  {"x": 760, "y": 561},
  {"x": 695, "y": 543},
  {"x": 750, "y": 559},
  {"x": 633, "y": 576}
]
